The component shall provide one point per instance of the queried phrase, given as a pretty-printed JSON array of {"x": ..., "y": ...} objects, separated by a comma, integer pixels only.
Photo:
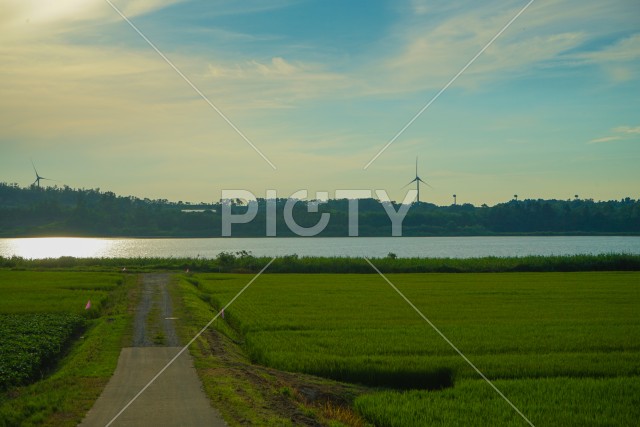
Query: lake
[{"x": 435, "y": 247}]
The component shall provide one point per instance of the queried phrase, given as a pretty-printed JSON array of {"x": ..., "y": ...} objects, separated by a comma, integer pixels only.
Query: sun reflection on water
[
  {"x": 55, "y": 247},
  {"x": 437, "y": 247}
]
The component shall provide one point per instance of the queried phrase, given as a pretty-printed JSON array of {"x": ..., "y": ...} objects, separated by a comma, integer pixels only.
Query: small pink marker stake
[{"x": 88, "y": 306}]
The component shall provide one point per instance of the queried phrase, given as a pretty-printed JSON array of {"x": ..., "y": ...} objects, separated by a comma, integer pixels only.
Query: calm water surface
[{"x": 438, "y": 247}]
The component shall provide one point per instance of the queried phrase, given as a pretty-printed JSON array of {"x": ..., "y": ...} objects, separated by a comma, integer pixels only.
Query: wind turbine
[
  {"x": 418, "y": 180},
  {"x": 38, "y": 177}
]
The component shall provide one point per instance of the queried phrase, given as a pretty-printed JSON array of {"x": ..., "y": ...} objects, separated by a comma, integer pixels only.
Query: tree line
[{"x": 36, "y": 211}]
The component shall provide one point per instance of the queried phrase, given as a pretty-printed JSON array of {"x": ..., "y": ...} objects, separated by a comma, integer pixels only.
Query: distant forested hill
[{"x": 54, "y": 211}]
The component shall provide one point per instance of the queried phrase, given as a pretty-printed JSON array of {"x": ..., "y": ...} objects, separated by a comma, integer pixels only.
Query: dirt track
[
  {"x": 153, "y": 324},
  {"x": 176, "y": 397}
]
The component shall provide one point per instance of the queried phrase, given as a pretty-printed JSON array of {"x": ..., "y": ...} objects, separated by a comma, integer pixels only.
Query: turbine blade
[
  {"x": 34, "y": 168},
  {"x": 410, "y": 182},
  {"x": 425, "y": 183}
]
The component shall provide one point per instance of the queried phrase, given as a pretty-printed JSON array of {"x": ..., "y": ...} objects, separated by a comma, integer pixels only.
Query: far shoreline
[{"x": 536, "y": 234}]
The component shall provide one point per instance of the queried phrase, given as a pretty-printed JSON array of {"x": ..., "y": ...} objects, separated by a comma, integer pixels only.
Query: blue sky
[{"x": 548, "y": 111}]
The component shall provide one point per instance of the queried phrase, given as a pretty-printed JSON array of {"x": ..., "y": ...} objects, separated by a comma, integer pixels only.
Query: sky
[{"x": 549, "y": 110}]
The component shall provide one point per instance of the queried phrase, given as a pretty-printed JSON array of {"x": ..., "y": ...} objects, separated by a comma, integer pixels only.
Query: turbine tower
[
  {"x": 38, "y": 177},
  {"x": 418, "y": 180}
]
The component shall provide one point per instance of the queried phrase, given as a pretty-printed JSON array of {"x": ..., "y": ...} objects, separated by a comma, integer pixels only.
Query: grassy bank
[
  {"x": 244, "y": 262},
  {"x": 73, "y": 372},
  {"x": 562, "y": 345}
]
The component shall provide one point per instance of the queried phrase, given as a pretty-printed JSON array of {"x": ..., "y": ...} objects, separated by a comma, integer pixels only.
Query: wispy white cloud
[
  {"x": 605, "y": 139},
  {"x": 627, "y": 129},
  {"x": 619, "y": 133},
  {"x": 133, "y": 8},
  {"x": 437, "y": 39},
  {"x": 624, "y": 50},
  {"x": 273, "y": 83},
  {"x": 234, "y": 7},
  {"x": 620, "y": 60}
]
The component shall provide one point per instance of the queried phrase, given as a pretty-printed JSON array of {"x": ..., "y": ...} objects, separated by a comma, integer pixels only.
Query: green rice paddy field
[
  {"x": 563, "y": 347},
  {"x": 56, "y": 354}
]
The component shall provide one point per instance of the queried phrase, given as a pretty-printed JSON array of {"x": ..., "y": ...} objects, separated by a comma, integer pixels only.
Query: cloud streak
[
  {"x": 547, "y": 36},
  {"x": 620, "y": 133},
  {"x": 276, "y": 83}
]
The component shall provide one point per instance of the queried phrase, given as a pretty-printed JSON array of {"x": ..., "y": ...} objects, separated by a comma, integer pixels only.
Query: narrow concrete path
[{"x": 176, "y": 398}]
